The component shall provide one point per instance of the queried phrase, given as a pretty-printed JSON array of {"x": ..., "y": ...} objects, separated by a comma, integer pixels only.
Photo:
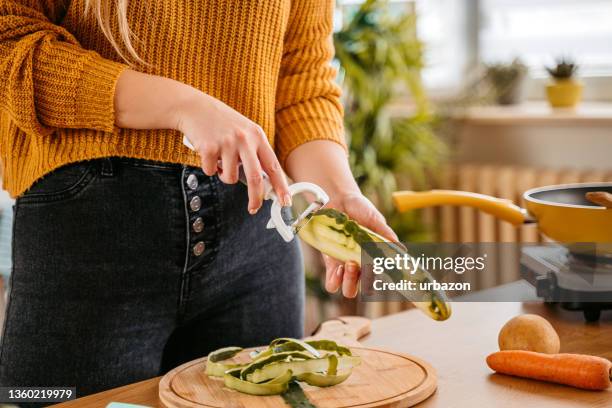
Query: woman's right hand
[{"x": 216, "y": 131}]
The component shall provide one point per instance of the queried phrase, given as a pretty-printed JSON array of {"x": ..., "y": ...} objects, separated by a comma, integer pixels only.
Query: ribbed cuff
[
  {"x": 76, "y": 88},
  {"x": 317, "y": 119},
  {"x": 95, "y": 103}
]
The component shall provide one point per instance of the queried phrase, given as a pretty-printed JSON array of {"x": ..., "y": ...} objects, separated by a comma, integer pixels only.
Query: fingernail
[
  {"x": 287, "y": 200},
  {"x": 253, "y": 211}
]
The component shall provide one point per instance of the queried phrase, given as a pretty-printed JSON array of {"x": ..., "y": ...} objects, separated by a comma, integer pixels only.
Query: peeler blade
[
  {"x": 306, "y": 215},
  {"x": 288, "y": 228}
]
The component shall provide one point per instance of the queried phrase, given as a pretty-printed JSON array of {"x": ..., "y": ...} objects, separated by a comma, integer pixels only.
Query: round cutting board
[{"x": 384, "y": 379}]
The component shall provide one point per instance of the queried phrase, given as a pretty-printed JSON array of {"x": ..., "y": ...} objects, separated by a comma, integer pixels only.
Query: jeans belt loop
[{"x": 107, "y": 167}]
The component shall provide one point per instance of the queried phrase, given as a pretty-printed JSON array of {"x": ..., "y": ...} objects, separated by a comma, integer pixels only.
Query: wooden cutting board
[{"x": 384, "y": 379}]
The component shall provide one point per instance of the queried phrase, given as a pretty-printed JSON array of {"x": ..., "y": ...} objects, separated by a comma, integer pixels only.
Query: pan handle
[{"x": 500, "y": 208}]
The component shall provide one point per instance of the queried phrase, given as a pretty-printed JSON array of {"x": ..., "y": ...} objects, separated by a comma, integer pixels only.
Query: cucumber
[{"x": 333, "y": 233}]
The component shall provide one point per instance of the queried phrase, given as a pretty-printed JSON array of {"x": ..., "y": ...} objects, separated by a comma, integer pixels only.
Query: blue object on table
[
  {"x": 124, "y": 405},
  {"x": 6, "y": 232}
]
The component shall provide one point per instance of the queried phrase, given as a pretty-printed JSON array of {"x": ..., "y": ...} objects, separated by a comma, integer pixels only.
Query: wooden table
[{"x": 457, "y": 349}]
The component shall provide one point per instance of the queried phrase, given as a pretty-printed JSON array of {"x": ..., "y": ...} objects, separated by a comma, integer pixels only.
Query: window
[
  {"x": 459, "y": 34},
  {"x": 443, "y": 26},
  {"x": 538, "y": 31}
]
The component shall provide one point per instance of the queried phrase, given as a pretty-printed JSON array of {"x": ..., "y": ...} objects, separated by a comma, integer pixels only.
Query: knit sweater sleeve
[
  {"x": 307, "y": 98},
  {"x": 47, "y": 80}
]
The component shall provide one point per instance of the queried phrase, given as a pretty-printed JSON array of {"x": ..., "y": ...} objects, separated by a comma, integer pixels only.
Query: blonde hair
[{"x": 103, "y": 11}]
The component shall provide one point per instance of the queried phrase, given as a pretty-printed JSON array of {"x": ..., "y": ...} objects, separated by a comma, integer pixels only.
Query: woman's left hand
[
  {"x": 325, "y": 163},
  {"x": 346, "y": 275}
]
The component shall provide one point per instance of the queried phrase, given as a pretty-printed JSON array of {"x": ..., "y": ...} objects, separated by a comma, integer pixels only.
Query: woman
[{"x": 132, "y": 253}]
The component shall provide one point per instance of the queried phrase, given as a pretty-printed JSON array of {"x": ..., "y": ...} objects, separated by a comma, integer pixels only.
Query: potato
[{"x": 531, "y": 333}]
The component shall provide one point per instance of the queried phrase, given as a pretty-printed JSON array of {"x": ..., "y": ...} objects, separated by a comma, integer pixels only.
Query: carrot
[{"x": 577, "y": 370}]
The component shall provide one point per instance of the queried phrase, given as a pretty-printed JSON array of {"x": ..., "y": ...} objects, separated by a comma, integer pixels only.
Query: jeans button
[
  {"x": 192, "y": 181},
  {"x": 198, "y": 249},
  {"x": 198, "y": 225},
  {"x": 195, "y": 204}
]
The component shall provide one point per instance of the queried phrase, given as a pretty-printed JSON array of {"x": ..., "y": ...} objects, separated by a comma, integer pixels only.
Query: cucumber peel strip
[
  {"x": 324, "y": 380},
  {"x": 288, "y": 344},
  {"x": 320, "y": 363},
  {"x": 214, "y": 367},
  {"x": 291, "y": 345},
  {"x": 268, "y": 360},
  {"x": 330, "y": 345},
  {"x": 278, "y": 385},
  {"x": 223, "y": 353},
  {"x": 219, "y": 369}
]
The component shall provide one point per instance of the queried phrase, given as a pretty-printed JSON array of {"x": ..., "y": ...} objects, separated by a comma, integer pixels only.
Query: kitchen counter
[{"x": 457, "y": 349}]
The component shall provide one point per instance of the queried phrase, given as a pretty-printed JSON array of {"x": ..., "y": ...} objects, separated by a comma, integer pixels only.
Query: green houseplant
[
  {"x": 565, "y": 91},
  {"x": 381, "y": 59},
  {"x": 507, "y": 81}
]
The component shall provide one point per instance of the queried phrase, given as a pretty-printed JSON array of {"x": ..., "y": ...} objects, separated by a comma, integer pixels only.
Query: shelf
[{"x": 529, "y": 113}]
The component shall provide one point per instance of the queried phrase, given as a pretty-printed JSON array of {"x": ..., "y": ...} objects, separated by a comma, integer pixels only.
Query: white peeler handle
[{"x": 276, "y": 218}]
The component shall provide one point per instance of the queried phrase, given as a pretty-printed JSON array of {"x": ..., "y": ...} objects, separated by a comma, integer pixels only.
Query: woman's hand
[
  {"x": 346, "y": 275},
  {"x": 216, "y": 131},
  {"x": 324, "y": 163}
]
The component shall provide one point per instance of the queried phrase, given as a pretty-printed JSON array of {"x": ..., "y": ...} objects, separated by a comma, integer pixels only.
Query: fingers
[
  {"x": 334, "y": 271},
  {"x": 272, "y": 167},
  {"x": 228, "y": 173},
  {"x": 209, "y": 156},
  {"x": 386, "y": 231},
  {"x": 341, "y": 275},
  {"x": 375, "y": 221},
  {"x": 254, "y": 178},
  {"x": 350, "y": 281}
]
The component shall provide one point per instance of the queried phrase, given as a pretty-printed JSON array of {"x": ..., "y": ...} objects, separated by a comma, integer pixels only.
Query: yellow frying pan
[{"x": 563, "y": 212}]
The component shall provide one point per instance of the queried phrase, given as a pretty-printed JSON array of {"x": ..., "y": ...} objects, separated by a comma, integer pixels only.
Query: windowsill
[{"x": 538, "y": 113}]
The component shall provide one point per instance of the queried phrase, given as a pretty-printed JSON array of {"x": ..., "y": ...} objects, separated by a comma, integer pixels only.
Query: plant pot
[
  {"x": 513, "y": 92},
  {"x": 564, "y": 94}
]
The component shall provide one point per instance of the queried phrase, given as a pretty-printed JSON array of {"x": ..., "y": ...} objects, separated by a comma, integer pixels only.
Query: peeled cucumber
[{"x": 333, "y": 233}]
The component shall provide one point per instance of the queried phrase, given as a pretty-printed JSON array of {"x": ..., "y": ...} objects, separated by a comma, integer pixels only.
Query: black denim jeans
[{"x": 124, "y": 269}]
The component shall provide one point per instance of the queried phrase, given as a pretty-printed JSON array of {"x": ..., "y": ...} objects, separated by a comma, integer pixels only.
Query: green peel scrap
[{"x": 320, "y": 363}]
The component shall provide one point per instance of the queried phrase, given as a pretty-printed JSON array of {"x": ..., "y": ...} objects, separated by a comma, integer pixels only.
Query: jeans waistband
[{"x": 128, "y": 161}]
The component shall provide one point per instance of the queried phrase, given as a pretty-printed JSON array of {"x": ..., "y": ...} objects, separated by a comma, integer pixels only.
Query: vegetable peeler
[{"x": 286, "y": 229}]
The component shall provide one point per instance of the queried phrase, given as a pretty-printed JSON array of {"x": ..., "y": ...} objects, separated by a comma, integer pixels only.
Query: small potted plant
[
  {"x": 507, "y": 81},
  {"x": 565, "y": 91}
]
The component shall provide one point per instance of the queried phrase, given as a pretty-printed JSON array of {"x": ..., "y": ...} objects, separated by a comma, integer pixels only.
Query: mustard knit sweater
[{"x": 269, "y": 60}]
